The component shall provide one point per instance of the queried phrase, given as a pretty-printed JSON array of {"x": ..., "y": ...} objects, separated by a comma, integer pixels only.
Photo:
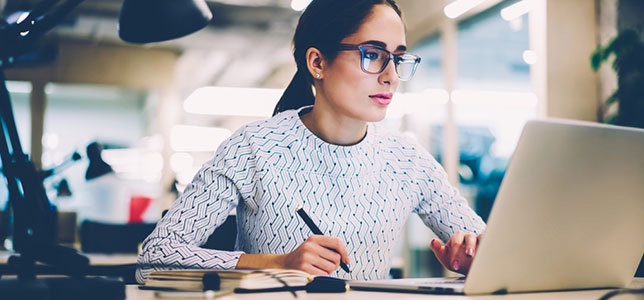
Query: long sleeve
[
  {"x": 362, "y": 194},
  {"x": 442, "y": 208},
  {"x": 204, "y": 205}
]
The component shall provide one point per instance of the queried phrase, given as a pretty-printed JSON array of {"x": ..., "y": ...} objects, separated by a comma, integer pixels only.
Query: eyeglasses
[{"x": 374, "y": 60}]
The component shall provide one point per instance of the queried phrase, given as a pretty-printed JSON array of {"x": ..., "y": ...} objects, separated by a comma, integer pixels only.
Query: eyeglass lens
[
  {"x": 406, "y": 67},
  {"x": 374, "y": 61}
]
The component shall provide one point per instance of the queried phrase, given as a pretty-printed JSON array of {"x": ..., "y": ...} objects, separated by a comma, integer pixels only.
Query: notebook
[
  {"x": 569, "y": 215},
  {"x": 202, "y": 280}
]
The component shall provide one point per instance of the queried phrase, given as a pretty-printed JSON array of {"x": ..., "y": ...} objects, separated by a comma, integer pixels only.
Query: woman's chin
[{"x": 376, "y": 116}]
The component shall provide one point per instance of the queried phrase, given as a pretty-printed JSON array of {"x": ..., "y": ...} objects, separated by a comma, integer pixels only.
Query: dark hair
[{"x": 323, "y": 25}]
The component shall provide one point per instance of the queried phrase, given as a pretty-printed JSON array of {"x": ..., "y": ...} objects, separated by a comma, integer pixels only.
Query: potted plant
[{"x": 628, "y": 49}]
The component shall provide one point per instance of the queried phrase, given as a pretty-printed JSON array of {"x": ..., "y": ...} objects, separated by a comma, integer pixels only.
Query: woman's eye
[{"x": 371, "y": 55}]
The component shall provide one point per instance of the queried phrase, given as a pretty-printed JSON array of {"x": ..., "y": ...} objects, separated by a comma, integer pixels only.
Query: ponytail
[{"x": 299, "y": 93}]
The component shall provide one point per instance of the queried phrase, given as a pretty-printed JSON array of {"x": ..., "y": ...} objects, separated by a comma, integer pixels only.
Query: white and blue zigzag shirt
[{"x": 362, "y": 194}]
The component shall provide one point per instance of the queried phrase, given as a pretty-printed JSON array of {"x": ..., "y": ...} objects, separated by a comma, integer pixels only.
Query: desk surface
[{"x": 133, "y": 292}]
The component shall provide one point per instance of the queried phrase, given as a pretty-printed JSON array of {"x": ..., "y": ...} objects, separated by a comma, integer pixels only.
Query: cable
[{"x": 620, "y": 292}]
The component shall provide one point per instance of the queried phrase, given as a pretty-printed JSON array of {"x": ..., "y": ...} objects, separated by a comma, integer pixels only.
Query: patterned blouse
[{"x": 362, "y": 194}]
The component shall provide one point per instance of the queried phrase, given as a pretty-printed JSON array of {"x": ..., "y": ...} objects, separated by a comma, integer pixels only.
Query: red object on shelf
[{"x": 138, "y": 205}]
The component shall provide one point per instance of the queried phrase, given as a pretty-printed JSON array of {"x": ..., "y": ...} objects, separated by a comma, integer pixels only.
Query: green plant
[{"x": 628, "y": 49}]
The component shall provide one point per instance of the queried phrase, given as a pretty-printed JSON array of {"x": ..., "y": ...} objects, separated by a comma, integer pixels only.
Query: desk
[
  {"x": 133, "y": 292},
  {"x": 95, "y": 259},
  {"x": 113, "y": 265}
]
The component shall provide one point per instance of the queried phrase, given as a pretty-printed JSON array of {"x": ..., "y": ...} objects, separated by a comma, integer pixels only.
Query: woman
[{"x": 357, "y": 181}]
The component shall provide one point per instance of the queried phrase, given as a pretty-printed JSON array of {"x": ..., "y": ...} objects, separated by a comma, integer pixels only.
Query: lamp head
[
  {"x": 147, "y": 21},
  {"x": 97, "y": 167}
]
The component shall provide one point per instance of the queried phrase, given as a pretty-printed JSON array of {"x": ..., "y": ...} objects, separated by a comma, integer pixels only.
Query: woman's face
[{"x": 347, "y": 89}]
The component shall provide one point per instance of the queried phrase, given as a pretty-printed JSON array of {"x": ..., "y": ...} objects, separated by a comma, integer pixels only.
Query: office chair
[
  {"x": 224, "y": 236},
  {"x": 98, "y": 237}
]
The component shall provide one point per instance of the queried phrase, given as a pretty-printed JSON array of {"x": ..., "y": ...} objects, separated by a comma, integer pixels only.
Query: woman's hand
[
  {"x": 318, "y": 255},
  {"x": 457, "y": 254}
]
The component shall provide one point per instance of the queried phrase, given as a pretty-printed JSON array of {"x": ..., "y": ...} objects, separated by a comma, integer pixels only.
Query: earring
[{"x": 317, "y": 75}]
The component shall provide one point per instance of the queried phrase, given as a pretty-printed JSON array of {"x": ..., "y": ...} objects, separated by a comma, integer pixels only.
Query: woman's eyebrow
[{"x": 384, "y": 45}]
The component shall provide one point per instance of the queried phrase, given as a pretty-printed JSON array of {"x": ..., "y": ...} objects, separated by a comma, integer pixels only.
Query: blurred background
[{"x": 158, "y": 111}]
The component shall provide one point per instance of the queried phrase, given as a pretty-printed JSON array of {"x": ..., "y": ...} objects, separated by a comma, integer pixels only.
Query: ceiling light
[
  {"x": 530, "y": 57},
  {"x": 459, "y": 7},
  {"x": 516, "y": 10},
  {"x": 227, "y": 101},
  {"x": 19, "y": 87},
  {"x": 299, "y": 5}
]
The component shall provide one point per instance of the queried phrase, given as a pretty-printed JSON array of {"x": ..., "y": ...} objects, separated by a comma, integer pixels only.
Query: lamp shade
[{"x": 146, "y": 21}]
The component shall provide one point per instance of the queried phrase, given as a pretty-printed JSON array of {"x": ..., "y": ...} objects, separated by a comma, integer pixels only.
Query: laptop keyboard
[{"x": 459, "y": 281}]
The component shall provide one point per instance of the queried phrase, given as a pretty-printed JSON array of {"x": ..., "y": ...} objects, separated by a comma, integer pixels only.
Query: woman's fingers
[
  {"x": 321, "y": 262},
  {"x": 325, "y": 258},
  {"x": 470, "y": 245},
  {"x": 330, "y": 255},
  {"x": 311, "y": 269},
  {"x": 441, "y": 252},
  {"x": 318, "y": 255},
  {"x": 438, "y": 249},
  {"x": 457, "y": 254},
  {"x": 456, "y": 241},
  {"x": 436, "y": 245},
  {"x": 334, "y": 244},
  {"x": 455, "y": 246}
]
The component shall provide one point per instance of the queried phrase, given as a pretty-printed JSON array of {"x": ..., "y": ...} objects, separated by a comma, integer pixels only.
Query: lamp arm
[
  {"x": 36, "y": 12},
  {"x": 34, "y": 230},
  {"x": 51, "y": 19},
  {"x": 5, "y": 157},
  {"x": 7, "y": 120},
  {"x": 17, "y": 39},
  {"x": 34, "y": 220}
]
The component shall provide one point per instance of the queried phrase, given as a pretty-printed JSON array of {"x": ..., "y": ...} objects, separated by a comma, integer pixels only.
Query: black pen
[{"x": 316, "y": 230}]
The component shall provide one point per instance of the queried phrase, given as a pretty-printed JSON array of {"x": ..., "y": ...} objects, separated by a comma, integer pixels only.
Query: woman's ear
[{"x": 315, "y": 62}]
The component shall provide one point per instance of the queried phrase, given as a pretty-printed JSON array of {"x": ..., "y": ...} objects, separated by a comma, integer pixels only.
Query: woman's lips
[{"x": 381, "y": 98}]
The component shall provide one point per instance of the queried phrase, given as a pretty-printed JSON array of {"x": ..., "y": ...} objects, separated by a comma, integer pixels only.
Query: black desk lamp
[
  {"x": 146, "y": 21},
  {"x": 97, "y": 166},
  {"x": 34, "y": 217}
]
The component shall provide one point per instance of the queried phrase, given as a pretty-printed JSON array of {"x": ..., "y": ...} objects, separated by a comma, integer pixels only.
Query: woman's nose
[{"x": 389, "y": 75}]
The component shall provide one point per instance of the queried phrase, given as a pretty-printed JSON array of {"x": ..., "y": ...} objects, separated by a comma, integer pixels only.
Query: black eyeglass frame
[{"x": 396, "y": 57}]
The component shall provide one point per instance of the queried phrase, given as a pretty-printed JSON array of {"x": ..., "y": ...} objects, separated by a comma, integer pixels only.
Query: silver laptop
[{"x": 569, "y": 215}]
